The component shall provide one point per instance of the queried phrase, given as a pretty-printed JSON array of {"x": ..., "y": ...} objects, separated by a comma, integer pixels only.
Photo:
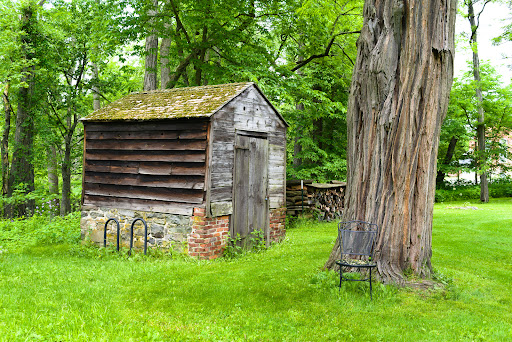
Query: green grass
[{"x": 70, "y": 293}]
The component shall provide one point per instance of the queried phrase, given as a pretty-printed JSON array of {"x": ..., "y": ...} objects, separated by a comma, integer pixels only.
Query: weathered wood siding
[
  {"x": 150, "y": 166},
  {"x": 248, "y": 114}
]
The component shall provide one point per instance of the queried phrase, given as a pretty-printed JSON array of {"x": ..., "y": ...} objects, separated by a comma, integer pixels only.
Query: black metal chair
[{"x": 357, "y": 239}]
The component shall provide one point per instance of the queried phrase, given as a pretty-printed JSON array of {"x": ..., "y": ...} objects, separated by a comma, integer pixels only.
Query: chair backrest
[{"x": 357, "y": 238}]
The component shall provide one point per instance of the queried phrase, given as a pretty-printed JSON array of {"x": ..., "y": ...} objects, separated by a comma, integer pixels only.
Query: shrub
[
  {"x": 501, "y": 187},
  {"x": 39, "y": 230}
]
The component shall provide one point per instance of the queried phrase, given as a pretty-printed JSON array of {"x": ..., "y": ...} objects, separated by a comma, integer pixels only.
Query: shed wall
[
  {"x": 154, "y": 166},
  {"x": 249, "y": 112}
]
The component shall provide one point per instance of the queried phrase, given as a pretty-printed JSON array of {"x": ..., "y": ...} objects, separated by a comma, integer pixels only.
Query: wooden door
[{"x": 250, "y": 207}]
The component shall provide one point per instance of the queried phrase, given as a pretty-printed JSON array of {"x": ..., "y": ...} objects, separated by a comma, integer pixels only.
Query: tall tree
[
  {"x": 474, "y": 21},
  {"x": 5, "y": 139},
  {"x": 22, "y": 168},
  {"x": 398, "y": 100},
  {"x": 151, "y": 49},
  {"x": 463, "y": 120}
]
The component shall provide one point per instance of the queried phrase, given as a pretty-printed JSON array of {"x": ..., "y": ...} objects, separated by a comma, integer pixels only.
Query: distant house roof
[{"x": 193, "y": 102}]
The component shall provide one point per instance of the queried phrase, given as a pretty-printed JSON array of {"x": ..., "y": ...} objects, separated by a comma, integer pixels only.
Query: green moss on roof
[{"x": 170, "y": 104}]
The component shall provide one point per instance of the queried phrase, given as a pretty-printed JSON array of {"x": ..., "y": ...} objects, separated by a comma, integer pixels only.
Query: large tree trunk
[
  {"x": 5, "y": 140},
  {"x": 52, "y": 167},
  {"x": 446, "y": 161},
  {"x": 65, "y": 203},
  {"x": 398, "y": 100},
  {"x": 151, "y": 51},
  {"x": 96, "y": 100},
  {"x": 71, "y": 123},
  {"x": 297, "y": 146},
  {"x": 165, "y": 45},
  {"x": 480, "y": 130},
  {"x": 165, "y": 69},
  {"x": 22, "y": 169}
]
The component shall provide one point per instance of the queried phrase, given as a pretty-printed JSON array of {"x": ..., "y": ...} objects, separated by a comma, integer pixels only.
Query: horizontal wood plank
[
  {"x": 149, "y": 193},
  {"x": 157, "y": 134},
  {"x": 221, "y": 179},
  {"x": 145, "y": 144},
  {"x": 163, "y": 168},
  {"x": 138, "y": 204},
  {"x": 220, "y": 194},
  {"x": 190, "y": 182},
  {"x": 166, "y": 156},
  {"x": 137, "y": 126},
  {"x": 146, "y": 168}
]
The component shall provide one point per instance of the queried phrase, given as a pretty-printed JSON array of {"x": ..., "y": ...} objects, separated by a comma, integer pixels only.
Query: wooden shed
[{"x": 196, "y": 163}]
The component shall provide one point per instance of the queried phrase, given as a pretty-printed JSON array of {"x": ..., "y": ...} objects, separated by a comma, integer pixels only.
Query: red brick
[{"x": 199, "y": 211}]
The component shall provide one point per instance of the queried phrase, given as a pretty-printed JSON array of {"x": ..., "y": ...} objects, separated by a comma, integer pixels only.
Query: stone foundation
[
  {"x": 164, "y": 230},
  {"x": 200, "y": 236}
]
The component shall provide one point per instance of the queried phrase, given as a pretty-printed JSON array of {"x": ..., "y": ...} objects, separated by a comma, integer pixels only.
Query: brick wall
[
  {"x": 277, "y": 224},
  {"x": 209, "y": 235}
]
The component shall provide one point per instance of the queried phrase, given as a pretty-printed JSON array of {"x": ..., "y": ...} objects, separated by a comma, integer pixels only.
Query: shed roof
[{"x": 192, "y": 102}]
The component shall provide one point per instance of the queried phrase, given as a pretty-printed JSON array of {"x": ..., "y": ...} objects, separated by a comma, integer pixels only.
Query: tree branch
[
  {"x": 350, "y": 59},
  {"x": 467, "y": 116},
  {"x": 326, "y": 52},
  {"x": 179, "y": 23},
  {"x": 57, "y": 118},
  {"x": 480, "y": 13},
  {"x": 179, "y": 70},
  {"x": 100, "y": 94}
]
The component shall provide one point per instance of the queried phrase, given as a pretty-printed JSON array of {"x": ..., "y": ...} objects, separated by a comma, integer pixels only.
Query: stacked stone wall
[
  {"x": 164, "y": 230},
  {"x": 200, "y": 236}
]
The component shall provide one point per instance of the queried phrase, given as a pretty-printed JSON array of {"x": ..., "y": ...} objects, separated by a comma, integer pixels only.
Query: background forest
[{"x": 60, "y": 60}]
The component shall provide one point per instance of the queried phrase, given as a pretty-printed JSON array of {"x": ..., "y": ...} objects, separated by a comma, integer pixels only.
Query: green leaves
[{"x": 462, "y": 120}]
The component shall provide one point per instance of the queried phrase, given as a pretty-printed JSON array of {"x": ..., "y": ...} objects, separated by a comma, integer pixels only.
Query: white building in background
[{"x": 473, "y": 176}]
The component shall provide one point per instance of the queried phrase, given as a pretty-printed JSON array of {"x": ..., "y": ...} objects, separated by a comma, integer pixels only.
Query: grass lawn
[{"x": 69, "y": 293}]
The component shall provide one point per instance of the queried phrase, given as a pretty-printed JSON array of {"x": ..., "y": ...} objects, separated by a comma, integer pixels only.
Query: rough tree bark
[
  {"x": 165, "y": 45},
  {"x": 446, "y": 161},
  {"x": 151, "y": 51},
  {"x": 71, "y": 123},
  {"x": 480, "y": 129},
  {"x": 398, "y": 100},
  {"x": 165, "y": 69},
  {"x": 96, "y": 99},
  {"x": 5, "y": 140},
  {"x": 22, "y": 169},
  {"x": 297, "y": 147},
  {"x": 52, "y": 167}
]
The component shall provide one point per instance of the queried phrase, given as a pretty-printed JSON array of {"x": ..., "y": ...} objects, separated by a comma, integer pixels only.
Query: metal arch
[
  {"x": 105, "y": 232},
  {"x": 145, "y": 235}
]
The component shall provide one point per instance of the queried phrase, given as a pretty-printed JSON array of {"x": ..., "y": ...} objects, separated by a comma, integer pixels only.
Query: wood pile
[
  {"x": 323, "y": 200},
  {"x": 297, "y": 197}
]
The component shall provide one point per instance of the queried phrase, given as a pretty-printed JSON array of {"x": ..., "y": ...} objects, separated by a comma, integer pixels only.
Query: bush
[
  {"x": 467, "y": 191},
  {"x": 457, "y": 194},
  {"x": 39, "y": 230}
]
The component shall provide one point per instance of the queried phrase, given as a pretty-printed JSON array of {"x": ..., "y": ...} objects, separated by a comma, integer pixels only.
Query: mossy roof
[{"x": 193, "y": 102}]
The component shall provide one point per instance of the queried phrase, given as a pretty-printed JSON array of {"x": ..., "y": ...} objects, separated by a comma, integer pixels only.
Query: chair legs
[
  {"x": 371, "y": 283},
  {"x": 369, "y": 279}
]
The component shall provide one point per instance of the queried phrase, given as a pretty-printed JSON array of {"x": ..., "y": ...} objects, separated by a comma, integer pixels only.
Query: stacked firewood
[
  {"x": 328, "y": 200},
  {"x": 298, "y": 200},
  {"x": 323, "y": 200}
]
